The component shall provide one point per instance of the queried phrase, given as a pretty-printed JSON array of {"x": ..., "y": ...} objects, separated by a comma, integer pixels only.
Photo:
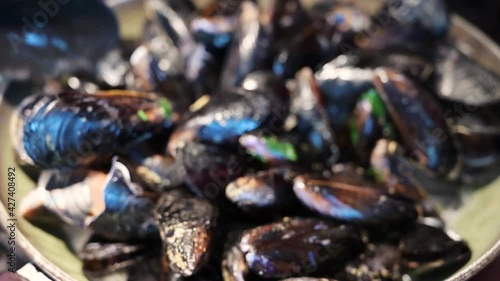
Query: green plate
[{"x": 51, "y": 245}]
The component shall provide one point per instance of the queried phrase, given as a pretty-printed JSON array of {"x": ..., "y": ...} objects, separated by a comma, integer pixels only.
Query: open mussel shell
[
  {"x": 186, "y": 227},
  {"x": 428, "y": 250},
  {"x": 420, "y": 122},
  {"x": 75, "y": 129},
  {"x": 109, "y": 204},
  {"x": 340, "y": 198},
  {"x": 299, "y": 247},
  {"x": 460, "y": 78}
]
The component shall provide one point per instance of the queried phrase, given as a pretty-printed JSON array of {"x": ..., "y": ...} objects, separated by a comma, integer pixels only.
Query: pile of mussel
[{"x": 266, "y": 140}]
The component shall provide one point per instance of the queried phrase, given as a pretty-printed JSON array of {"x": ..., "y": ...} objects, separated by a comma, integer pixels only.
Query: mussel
[
  {"x": 250, "y": 48},
  {"x": 379, "y": 262},
  {"x": 298, "y": 247},
  {"x": 251, "y": 140},
  {"x": 38, "y": 42},
  {"x": 209, "y": 169},
  {"x": 101, "y": 258},
  {"x": 186, "y": 227},
  {"x": 340, "y": 86},
  {"x": 159, "y": 171},
  {"x": 265, "y": 191},
  {"x": 75, "y": 129},
  {"x": 312, "y": 121},
  {"x": 417, "y": 116},
  {"x": 225, "y": 118},
  {"x": 110, "y": 204},
  {"x": 429, "y": 250},
  {"x": 369, "y": 122},
  {"x": 342, "y": 198}
]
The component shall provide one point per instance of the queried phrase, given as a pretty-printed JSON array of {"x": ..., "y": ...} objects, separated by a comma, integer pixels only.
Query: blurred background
[{"x": 483, "y": 13}]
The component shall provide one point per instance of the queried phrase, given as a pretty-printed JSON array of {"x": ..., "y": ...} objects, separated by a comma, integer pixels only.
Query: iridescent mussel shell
[
  {"x": 299, "y": 247},
  {"x": 420, "y": 121},
  {"x": 356, "y": 201},
  {"x": 109, "y": 204},
  {"x": 74, "y": 129}
]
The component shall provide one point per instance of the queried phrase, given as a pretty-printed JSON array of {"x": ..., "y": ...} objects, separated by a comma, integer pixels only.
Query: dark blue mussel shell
[
  {"x": 215, "y": 33},
  {"x": 430, "y": 251},
  {"x": 347, "y": 199},
  {"x": 75, "y": 129},
  {"x": 55, "y": 37},
  {"x": 111, "y": 205},
  {"x": 341, "y": 85},
  {"x": 312, "y": 121},
  {"x": 210, "y": 168},
  {"x": 419, "y": 120},
  {"x": 250, "y": 48},
  {"x": 225, "y": 118},
  {"x": 287, "y": 248}
]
